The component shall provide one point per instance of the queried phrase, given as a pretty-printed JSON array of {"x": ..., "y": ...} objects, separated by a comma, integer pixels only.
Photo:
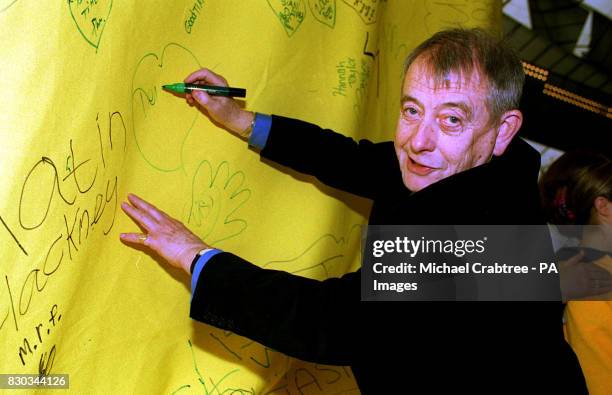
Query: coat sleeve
[
  {"x": 303, "y": 318},
  {"x": 363, "y": 168}
]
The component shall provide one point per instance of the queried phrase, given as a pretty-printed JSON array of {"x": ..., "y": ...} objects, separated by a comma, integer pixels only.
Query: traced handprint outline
[{"x": 217, "y": 195}]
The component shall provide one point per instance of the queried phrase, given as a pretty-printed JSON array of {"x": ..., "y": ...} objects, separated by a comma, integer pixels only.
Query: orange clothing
[{"x": 588, "y": 330}]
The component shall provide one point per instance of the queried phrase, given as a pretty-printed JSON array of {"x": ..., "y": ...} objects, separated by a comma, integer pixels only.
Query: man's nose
[{"x": 424, "y": 137}]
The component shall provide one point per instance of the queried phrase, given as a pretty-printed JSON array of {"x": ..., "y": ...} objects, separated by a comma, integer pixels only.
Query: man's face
[{"x": 442, "y": 131}]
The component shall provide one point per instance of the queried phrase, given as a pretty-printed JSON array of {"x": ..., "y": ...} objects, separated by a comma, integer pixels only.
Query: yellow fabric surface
[
  {"x": 83, "y": 121},
  {"x": 588, "y": 330}
]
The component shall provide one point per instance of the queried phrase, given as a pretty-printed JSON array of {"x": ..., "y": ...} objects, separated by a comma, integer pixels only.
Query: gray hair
[{"x": 467, "y": 50}]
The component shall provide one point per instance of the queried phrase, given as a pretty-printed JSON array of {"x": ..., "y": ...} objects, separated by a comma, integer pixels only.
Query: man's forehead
[{"x": 422, "y": 76}]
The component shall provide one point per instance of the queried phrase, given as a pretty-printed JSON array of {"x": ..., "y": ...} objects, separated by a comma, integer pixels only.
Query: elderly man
[{"x": 456, "y": 162}]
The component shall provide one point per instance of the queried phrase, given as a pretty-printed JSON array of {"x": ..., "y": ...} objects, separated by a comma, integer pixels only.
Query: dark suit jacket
[{"x": 395, "y": 346}]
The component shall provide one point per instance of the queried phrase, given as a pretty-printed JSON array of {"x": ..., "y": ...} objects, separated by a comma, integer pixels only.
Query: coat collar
[{"x": 502, "y": 191}]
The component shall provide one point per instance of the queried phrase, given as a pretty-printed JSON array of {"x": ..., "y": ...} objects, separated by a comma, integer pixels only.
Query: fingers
[
  {"x": 206, "y": 76},
  {"x": 201, "y": 97},
  {"x": 165, "y": 236},
  {"x": 134, "y": 238},
  {"x": 141, "y": 218},
  {"x": 147, "y": 207},
  {"x": 203, "y": 76}
]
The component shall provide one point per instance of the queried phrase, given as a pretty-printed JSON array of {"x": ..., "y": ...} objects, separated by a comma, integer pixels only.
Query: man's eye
[
  {"x": 451, "y": 121},
  {"x": 410, "y": 111}
]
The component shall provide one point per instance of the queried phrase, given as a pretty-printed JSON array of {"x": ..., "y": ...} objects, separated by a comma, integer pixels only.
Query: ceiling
[{"x": 570, "y": 41}]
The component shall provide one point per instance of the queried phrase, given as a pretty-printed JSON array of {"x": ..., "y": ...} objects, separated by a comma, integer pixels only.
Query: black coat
[{"x": 394, "y": 346}]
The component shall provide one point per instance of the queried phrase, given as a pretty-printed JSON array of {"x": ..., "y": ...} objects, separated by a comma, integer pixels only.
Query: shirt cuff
[
  {"x": 203, "y": 260},
  {"x": 261, "y": 131}
]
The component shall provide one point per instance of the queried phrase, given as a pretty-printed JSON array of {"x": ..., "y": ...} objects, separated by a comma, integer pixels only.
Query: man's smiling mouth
[{"x": 418, "y": 168}]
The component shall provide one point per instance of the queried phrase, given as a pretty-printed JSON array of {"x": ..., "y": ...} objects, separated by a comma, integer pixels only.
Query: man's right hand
[{"x": 223, "y": 110}]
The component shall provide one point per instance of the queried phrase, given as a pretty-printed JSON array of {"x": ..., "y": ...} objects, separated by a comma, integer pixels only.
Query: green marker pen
[{"x": 211, "y": 90}]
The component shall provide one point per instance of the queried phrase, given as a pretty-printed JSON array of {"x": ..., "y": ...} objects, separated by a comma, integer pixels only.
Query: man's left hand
[{"x": 166, "y": 236}]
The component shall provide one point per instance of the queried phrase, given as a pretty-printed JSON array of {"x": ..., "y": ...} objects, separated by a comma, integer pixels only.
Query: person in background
[{"x": 576, "y": 191}]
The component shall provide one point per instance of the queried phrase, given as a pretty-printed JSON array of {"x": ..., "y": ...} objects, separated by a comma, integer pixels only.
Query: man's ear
[{"x": 509, "y": 125}]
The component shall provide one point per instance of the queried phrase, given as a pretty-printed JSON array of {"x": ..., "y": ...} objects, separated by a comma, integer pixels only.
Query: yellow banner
[{"x": 83, "y": 121}]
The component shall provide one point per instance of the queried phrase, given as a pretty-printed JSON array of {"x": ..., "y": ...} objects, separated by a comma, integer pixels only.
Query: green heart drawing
[
  {"x": 90, "y": 17},
  {"x": 324, "y": 11},
  {"x": 290, "y": 13}
]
